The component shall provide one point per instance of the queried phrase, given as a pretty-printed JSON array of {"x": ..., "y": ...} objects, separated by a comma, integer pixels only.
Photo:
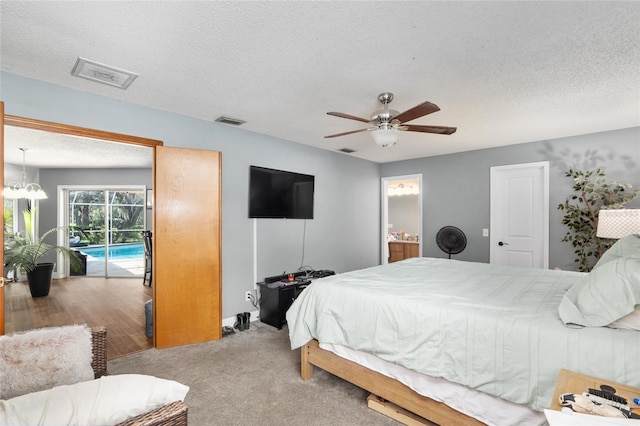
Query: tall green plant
[
  {"x": 592, "y": 192},
  {"x": 25, "y": 252}
]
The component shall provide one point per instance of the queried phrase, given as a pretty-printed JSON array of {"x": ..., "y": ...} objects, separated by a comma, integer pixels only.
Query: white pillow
[
  {"x": 628, "y": 322},
  {"x": 105, "y": 401},
  {"x": 605, "y": 295}
]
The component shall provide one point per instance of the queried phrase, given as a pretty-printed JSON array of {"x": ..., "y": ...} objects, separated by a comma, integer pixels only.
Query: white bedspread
[{"x": 492, "y": 328}]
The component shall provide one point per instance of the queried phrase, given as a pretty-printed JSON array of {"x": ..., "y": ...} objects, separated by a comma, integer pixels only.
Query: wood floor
[{"x": 117, "y": 303}]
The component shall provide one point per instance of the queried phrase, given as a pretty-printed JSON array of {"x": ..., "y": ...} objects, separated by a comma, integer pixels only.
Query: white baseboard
[{"x": 232, "y": 320}]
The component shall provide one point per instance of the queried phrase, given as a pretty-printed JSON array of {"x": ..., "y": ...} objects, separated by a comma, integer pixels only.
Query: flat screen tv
[{"x": 278, "y": 194}]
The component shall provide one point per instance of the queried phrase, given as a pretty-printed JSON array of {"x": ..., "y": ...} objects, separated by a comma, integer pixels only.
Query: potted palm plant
[{"x": 24, "y": 252}]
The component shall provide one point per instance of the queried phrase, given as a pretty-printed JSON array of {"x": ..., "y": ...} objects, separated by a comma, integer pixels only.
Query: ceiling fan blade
[
  {"x": 349, "y": 116},
  {"x": 417, "y": 111},
  {"x": 442, "y": 130},
  {"x": 346, "y": 133}
]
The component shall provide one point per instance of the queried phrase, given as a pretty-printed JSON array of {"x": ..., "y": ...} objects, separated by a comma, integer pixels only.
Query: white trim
[
  {"x": 15, "y": 209},
  {"x": 228, "y": 322},
  {"x": 255, "y": 256},
  {"x": 62, "y": 266}
]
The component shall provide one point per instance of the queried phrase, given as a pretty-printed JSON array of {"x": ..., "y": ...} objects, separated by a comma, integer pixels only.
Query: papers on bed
[{"x": 566, "y": 417}]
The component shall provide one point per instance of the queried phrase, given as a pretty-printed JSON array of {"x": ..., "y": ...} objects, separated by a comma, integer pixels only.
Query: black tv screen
[{"x": 278, "y": 194}]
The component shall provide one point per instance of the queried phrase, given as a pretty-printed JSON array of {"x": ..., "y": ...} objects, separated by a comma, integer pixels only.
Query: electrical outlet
[{"x": 247, "y": 296}]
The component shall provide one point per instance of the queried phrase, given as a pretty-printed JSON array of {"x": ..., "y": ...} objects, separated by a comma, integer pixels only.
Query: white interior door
[{"x": 520, "y": 215}]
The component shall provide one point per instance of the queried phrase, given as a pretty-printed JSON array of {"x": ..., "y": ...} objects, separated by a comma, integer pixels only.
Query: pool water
[{"x": 116, "y": 251}]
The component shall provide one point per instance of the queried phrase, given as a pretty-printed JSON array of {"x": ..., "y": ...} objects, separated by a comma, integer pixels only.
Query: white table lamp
[{"x": 618, "y": 223}]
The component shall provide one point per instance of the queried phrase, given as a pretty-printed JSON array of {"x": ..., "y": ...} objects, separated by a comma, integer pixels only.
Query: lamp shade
[
  {"x": 618, "y": 223},
  {"x": 385, "y": 137}
]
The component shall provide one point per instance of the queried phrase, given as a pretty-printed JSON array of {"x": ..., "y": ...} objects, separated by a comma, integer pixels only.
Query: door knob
[{"x": 502, "y": 244}]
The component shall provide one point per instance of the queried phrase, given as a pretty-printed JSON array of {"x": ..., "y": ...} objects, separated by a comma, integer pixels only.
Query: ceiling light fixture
[
  {"x": 385, "y": 136},
  {"x": 31, "y": 191},
  {"x": 402, "y": 190}
]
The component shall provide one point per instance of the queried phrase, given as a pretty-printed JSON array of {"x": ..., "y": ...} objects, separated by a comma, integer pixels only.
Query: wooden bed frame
[{"x": 312, "y": 355}]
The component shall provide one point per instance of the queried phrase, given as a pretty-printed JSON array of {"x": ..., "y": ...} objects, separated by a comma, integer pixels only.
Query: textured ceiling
[
  {"x": 502, "y": 72},
  {"x": 54, "y": 150}
]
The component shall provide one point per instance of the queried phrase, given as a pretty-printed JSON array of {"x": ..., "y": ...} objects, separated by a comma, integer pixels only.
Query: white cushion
[{"x": 105, "y": 401}]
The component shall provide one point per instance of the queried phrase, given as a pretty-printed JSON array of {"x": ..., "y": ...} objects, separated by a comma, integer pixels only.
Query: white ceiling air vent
[
  {"x": 347, "y": 150},
  {"x": 101, "y": 73},
  {"x": 228, "y": 120}
]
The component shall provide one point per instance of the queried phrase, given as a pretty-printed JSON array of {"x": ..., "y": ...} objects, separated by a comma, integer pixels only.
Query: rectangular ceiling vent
[
  {"x": 101, "y": 73},
  {"x": 347, "y": 150},
  {"x": 228, "y": 120}
]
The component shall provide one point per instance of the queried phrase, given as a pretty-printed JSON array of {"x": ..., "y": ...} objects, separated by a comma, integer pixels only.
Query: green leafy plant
[
  {"x": 24, "y": 252},
  {"x": 592, "y": 192}
]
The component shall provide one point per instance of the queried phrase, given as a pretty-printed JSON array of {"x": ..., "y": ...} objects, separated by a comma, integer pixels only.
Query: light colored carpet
[{"x": 253, "y": 378}]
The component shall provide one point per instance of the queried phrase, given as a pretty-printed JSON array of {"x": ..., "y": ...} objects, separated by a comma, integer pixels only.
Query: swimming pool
[{"x": 116, "y": 251}]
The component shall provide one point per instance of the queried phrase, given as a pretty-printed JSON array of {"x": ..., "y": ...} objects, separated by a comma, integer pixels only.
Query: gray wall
[
  {"x": 344, "y": 235},
  {"x": 456, "y": 186}
]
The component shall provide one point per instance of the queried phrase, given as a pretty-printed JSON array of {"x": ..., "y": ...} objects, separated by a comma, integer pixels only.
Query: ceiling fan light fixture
[
  {"x": 385, "y": 137},
  {"x": 386, "y": 124}
]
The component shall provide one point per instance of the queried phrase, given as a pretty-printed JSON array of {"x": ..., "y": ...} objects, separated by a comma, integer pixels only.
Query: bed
[{"x": 471, "y": 343}]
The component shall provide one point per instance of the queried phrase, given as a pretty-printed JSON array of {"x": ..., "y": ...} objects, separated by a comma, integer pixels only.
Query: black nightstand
[{"x": 274, "y": 301}]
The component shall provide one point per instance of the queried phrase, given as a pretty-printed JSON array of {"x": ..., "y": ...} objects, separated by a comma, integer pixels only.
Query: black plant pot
[{"x": 40, "y": 279}]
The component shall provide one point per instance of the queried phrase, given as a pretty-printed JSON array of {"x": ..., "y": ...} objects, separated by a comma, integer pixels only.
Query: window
[{"x": 106, "y": 224}]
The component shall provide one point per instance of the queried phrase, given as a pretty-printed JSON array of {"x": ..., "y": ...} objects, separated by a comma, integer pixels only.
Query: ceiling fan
[{"x": 387, "y": 123}]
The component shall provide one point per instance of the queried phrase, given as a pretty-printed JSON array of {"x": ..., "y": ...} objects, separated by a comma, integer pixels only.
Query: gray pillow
[{"x": 605, "y": 295}]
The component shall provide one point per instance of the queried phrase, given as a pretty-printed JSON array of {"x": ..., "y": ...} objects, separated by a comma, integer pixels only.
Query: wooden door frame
[
  {"x": 48, "y": 126},
  {"x": 66, "y": 129}
]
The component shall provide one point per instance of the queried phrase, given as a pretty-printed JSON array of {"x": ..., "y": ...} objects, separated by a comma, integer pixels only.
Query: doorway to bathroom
[{"x": 401, "y": 217}]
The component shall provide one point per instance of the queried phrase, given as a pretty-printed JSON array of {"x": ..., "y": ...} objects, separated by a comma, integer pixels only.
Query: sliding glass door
[{"x": 105, "y": 226}]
